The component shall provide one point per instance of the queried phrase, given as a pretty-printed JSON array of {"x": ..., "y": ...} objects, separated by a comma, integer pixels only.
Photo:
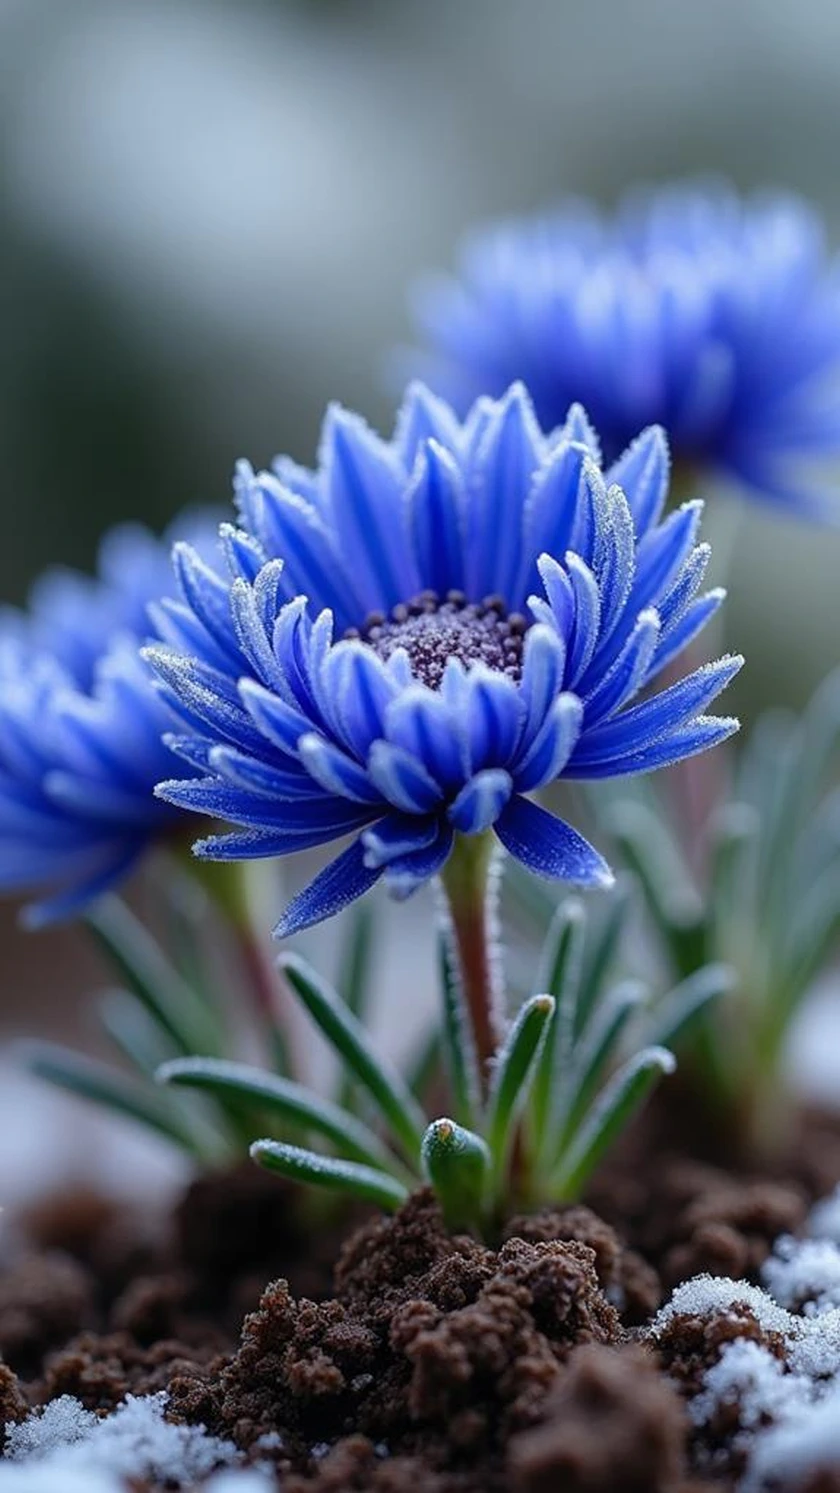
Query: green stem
[
  {"x": 465, "y": 881},
  {"x": 227, "y": 884}
]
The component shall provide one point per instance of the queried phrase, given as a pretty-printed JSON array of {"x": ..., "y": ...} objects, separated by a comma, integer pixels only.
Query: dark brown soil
[{"x": 428, "y": 1361}]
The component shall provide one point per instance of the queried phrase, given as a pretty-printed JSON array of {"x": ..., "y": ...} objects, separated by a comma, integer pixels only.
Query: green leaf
[
  {"x": 133, "y": 1032},
  {"x": 424, "y": 1065},
  {"x": 366, "y": 1183},
  {"x": 531, "y": 900},
  {"x": 601, "y": 950},
  {"x": 560, "y": 969},
  {"x": 111, "y": 1090},
  {"x": 595, "y": 1051},
  {"x": 675, "y": 1013},
  {"x": 457, "y": 1163},
  {"x": 814, "y": 926},
  {"x": 733, "y": 870},
  {"x": 147, "y": 972},
  {"x": 457, "y": 1040},
  {"x": 652, "y": 854},
  {"x": 347, "y": 1036},
  {"x": 512, "y": 1072},
  {"x": 262, "y": 1091},
  {"x": 619, "y": 1101},
  {"x": 356, "y": 960}
]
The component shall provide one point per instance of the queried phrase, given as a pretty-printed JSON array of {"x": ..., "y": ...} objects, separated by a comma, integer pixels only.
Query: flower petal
[
  {"x": 339, "y": 884},
  {"x": 550, "y": 847}
]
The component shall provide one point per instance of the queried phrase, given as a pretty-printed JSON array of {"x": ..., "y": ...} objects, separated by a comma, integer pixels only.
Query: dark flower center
[{"x": 432, "y": 630}]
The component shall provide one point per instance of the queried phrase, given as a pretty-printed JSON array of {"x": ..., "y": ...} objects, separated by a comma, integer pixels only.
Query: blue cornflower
[
  {"x": 715, "y": 317},
  {"x": 425, "y": 630},
  {"x": 80, "y": 727}
]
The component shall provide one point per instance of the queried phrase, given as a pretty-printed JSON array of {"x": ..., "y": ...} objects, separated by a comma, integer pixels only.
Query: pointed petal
[
  {"x": 396, "y": 836},
  {"x": 550, "y": 847},
  {"x": 335, "y": 771},
  {"x": 402, "y": 780},
  {"x": 481, "y": 801},
  {"x": 552, "y": 745},
  {"x": 643, "y": 473},
  {"x": 511, "y": 451},
  {"x": 436, "y": 508},
  {"x": 406, "y": 874},
  {"x": 339, "y": 884},
  {"x": 365, "y": 486}
]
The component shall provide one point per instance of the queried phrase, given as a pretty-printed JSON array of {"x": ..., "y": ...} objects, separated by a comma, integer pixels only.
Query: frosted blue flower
[
  {"x": 423, "y": 631},
  {"x": 80, "y": 728},
  {"x": 717, "y": 318}
]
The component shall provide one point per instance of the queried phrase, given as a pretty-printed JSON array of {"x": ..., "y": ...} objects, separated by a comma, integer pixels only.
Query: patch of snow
[
  {"x": 824, "y": 1219},
  {"x": 42, "y": 1478},
  {"x": 788, "y": 1411},
  {"x": 706, "y": 1295},
  {"x": 804, "y": 1274},
  {"x": 242, "y": 1480},
  {"x": 61, "y": 1423},
  {"x": 788, "y": 1454},
  {"x": 65, "y": 1441},
  {"x": 748, "y": 1376}
]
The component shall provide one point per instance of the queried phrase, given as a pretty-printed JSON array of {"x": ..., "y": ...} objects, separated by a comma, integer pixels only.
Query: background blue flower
[
  {"x": 715, "y": 317},
  {"x": 81, "y": 725},
  {"x": 423, "y": 631}
]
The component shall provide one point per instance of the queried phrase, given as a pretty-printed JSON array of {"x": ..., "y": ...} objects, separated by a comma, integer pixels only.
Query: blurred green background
[{"x": 211, "y": 211}]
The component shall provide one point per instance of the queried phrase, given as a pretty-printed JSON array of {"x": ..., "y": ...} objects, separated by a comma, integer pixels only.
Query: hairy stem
[{"x": 468, "y": 885}]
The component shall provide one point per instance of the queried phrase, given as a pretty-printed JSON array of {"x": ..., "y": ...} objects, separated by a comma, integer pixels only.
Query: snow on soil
[
  {"x": 789, "y": 1412},
  {"x": 67, "y": 1449}
]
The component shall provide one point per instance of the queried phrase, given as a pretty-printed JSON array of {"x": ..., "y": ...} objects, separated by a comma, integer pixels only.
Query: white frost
[
  {"x": 824, "y": 1220},
  {"x": 787, "y": 1454},
  {"x": 788, "y": 1408},
  {"x": 804, "y": 1274},
  {"x": 65, "y": 1445}
]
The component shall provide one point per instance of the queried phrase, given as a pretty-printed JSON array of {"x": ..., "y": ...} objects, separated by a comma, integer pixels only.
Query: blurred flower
[
  {"x": 715, "y": 317},
  {"x": 81, "y": 725},
  {"x": 380, "y": 665}
]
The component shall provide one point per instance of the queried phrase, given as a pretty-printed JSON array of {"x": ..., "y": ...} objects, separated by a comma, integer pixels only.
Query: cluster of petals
[
  {"x": 81, "y": 726},
  {"x": 299, "y": 731},
  {"x": 717, "y": 317}
]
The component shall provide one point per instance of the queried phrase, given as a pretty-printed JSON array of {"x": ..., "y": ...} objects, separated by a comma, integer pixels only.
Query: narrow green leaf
[
  {"x": 650, "y": 851},
  {"x": 814, "y": 927},
  {"x": 735, "y": 832},
  {"x": 356, "y": 959},
  {"x": 147, "y": 972},
  {"x": 597, "y": 1049},
  {"x": 261, "y": 1091},
  {"x": 531, "y": 900},
  {"x": 110, "y": 1089},
  {"x": 347, "y": 1036},
  {"x": 512, "y": 1072},
  {"x": 608, "y": 1117},
  {"x": 601, "y": 950},
  {"x": 560, "y": 968},
  {"x": 366, "y": 1183},
  {"x": 457, "y": 1039},
  {"x": 675, "y": 1013},
  {"x": 187, "y": 912},
  {"x": 355, "y": 964},
  {"x": 457, "y": 1163},
  {"x": 424, "y": 1065},
  {"x": 133, "y": 1031}
]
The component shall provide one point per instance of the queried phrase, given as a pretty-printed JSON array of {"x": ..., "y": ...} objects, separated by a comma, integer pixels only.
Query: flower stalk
[{"x": 469, "y": 888}]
